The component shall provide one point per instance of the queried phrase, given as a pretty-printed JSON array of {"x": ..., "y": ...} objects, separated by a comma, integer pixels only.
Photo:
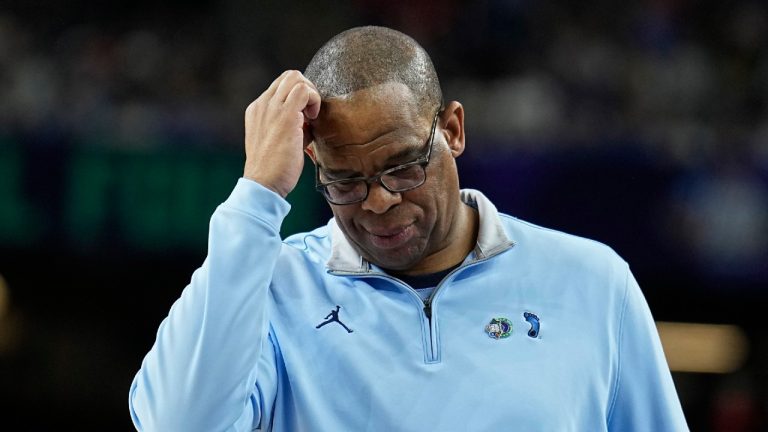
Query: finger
[
  {"x": 312, "y": 108},
  {"x": 270, "y": 91},
  {"x": 304, "y": 98},
  {"x": 289, "y": 81},
  {"x": 286, "y": 85}
]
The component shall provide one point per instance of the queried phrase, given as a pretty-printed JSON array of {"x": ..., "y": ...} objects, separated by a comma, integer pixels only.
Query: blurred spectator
[{"x": 722, "y": 218}]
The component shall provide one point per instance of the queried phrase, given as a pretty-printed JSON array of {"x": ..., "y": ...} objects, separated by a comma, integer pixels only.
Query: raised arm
[{"x": 203, "y": 372}]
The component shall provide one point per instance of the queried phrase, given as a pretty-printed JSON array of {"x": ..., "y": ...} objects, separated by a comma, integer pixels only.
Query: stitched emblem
[
  {"x": 499, "y": 328},
  {"x": 535, "y": 323}
]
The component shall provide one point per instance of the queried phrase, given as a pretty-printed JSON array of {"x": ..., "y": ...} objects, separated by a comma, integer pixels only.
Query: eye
[
  {"x": 344, "y": 186},
  {"x": 408, "y": 172}
]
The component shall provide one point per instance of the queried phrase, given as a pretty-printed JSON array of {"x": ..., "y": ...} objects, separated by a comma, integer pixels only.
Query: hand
[{"x": 276, "y": 131}]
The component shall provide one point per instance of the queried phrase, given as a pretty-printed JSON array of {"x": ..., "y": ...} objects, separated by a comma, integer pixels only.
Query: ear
[
  {"x": 452, "y": 127},
  {"x": 310, "y": 151}
]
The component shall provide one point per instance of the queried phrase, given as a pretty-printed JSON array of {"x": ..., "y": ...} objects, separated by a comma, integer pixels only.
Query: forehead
[{"x": 361, "y": 117}]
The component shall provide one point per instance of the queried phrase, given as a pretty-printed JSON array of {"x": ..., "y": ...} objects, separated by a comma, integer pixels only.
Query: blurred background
[{"x": 643, "y": 125}]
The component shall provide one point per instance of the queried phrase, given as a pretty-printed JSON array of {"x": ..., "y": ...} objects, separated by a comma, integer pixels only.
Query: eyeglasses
[{"x": 396, "y": 179}]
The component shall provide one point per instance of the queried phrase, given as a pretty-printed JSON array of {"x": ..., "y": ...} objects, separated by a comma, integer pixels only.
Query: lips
[{"x": 390, "y": 238}]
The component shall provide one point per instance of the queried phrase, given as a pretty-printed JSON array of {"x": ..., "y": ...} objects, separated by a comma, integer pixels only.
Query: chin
[
  {"x": 401, "y": 260},
  {"x": 395, "y": 267}
]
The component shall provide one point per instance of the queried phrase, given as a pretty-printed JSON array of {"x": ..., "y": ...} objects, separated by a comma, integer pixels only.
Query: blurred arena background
[{"x": 643, "y": 125}]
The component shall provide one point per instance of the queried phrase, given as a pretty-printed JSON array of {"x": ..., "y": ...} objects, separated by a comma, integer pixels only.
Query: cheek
[
  {"x": 441, "y": 191},
  {"x": 429, "y": 202},
  {"x": 442, "y": 182}
]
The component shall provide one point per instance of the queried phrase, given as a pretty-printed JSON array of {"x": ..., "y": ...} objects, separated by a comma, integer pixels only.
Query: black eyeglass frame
[{"x": 422, "y": 161}]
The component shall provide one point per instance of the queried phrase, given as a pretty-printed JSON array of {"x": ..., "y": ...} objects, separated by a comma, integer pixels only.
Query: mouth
[{"x": 391, "y": 238}]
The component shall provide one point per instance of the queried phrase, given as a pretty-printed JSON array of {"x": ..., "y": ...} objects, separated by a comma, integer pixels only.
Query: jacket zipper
[{"x": 432, "y": 352}]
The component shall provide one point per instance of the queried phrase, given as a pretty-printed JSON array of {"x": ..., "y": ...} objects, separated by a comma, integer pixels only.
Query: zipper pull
[{"x": 428, "y": 309}]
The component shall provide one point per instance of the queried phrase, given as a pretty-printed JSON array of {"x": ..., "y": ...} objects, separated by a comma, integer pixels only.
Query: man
[{"x": 419, "y": 307}]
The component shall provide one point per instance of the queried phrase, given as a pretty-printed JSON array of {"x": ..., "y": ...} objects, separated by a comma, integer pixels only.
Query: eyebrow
[
  {"x": 340, "y": 174},
  {"x": 404, "y": 156}
]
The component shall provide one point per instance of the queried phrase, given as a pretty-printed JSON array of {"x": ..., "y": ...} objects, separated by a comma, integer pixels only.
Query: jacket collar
[{"x": 491, "y": 239}]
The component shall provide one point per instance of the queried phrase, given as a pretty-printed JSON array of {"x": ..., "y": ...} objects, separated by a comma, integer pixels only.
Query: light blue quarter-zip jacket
[{"x": 536, "y": 331}]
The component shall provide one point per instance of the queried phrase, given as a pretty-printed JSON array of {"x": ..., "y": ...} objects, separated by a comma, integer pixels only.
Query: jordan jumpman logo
[{"x": 334, "y": 317}]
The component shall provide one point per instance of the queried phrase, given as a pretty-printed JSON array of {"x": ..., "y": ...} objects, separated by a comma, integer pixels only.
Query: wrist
[{"x": 263, "y": 182}]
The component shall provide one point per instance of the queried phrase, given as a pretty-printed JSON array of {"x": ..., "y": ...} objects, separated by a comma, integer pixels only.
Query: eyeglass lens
[{"x": 398, "y": 180}]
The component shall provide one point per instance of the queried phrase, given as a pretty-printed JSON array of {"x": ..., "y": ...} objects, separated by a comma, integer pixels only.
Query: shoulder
[{"x": 560, "y": 251}]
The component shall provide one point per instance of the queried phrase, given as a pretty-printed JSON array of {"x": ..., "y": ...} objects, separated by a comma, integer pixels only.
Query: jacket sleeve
[
  {"x": 205, "y": 371},
  {"x": 644, "y": 395}
]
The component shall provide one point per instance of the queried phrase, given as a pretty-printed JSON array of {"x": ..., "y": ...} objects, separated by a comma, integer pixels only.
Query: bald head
[{"x": 364, "y": 57}]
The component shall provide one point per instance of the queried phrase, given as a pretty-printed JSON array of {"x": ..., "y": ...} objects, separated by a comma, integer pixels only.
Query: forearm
[{"x": 201, "y": 371}]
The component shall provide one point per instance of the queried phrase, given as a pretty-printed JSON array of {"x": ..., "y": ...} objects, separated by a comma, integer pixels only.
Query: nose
[{"x": 380, "y": 200}]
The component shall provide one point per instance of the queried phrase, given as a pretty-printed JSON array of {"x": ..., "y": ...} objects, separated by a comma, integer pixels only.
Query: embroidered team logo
[
  {"x": 334, "y": 317},
  {"x": 499, "y": 328},
  {"x": 535, "y": 323}
]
